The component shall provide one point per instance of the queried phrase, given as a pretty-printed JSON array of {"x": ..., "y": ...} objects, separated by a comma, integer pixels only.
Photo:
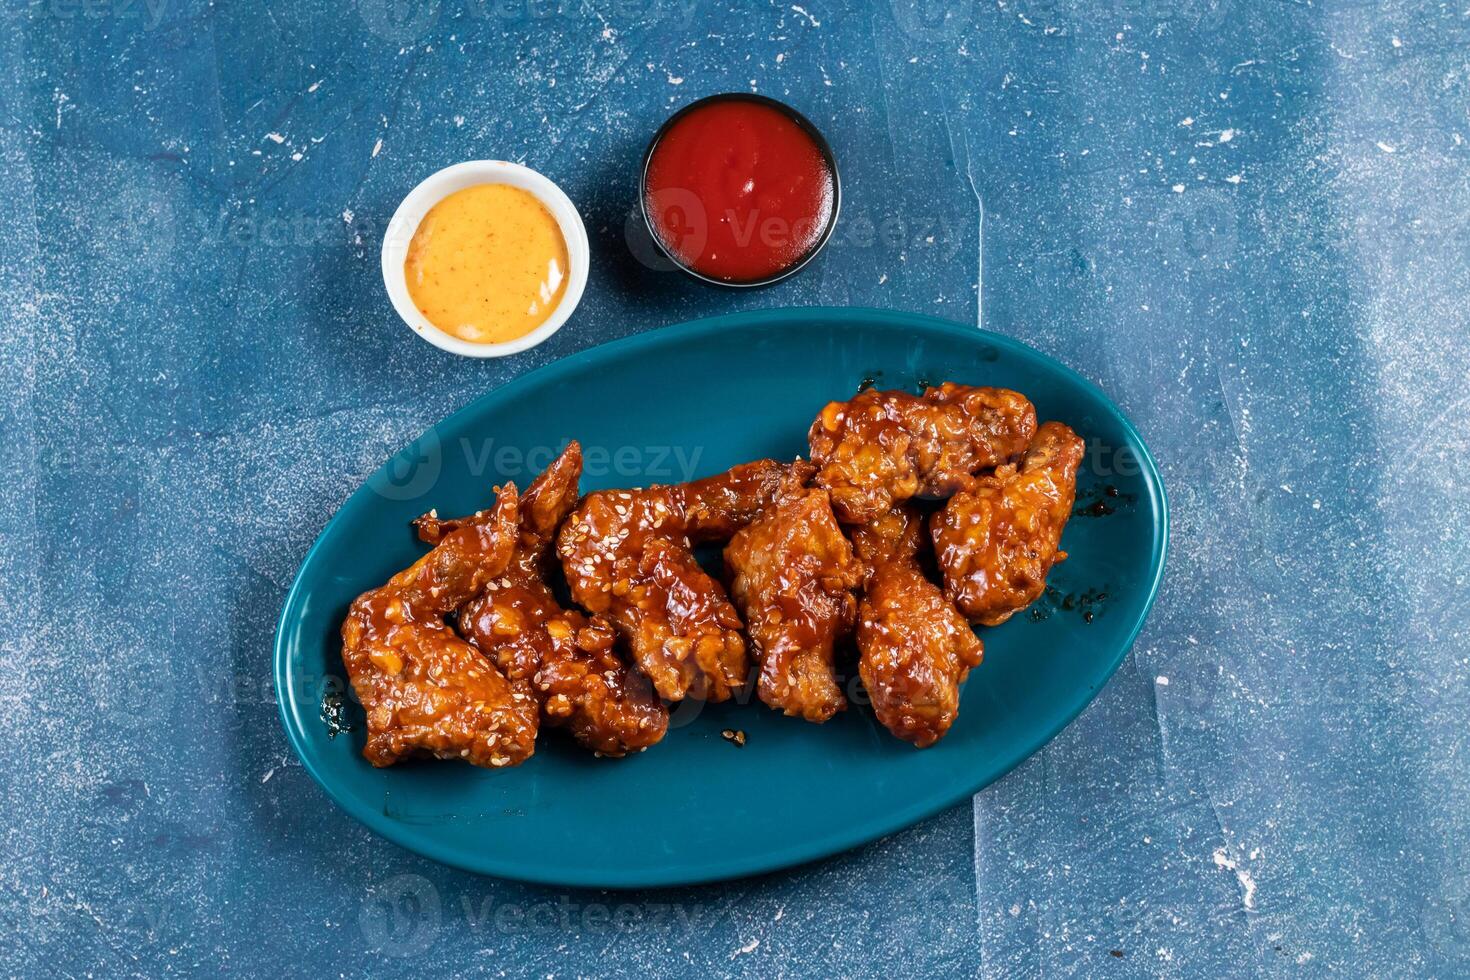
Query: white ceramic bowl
[{"x": 456, "y": 178}]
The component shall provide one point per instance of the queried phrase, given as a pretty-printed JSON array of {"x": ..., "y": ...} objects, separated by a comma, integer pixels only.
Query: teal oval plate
[{"x": 665, "y": 406}]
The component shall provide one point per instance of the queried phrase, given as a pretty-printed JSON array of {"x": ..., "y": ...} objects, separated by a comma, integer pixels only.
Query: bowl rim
[
  {"x": 469, "y": 173},
  {"x": 806, "y": 125}
]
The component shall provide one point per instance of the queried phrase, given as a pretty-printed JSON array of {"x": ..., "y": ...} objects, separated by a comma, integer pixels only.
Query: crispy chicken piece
[
  {"x": 996, "y": 541},
  {"x": 566, "y": 660},
  {"x": 883, "y": 447},
  {"x": 718, "y": 506},
  {"x": 425, "y": 690},
  {"x": 626, "y": 554},
  {"x": 914, "y": 648},
  {"x": 626, "y": 557},
  {"x": 793, "y": 574}
]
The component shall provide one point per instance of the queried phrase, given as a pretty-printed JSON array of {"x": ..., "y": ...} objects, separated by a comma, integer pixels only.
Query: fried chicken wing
[
  {"x": 718, "y": 506},
  {"x": 884, "y": 447},
  {"x": 793, "y": 575},
  {"x": 996, "y": 541},
  {"x": 424, "y": 689},
  {"x": 626, "y": 554},
  {"x": 626, "y": 557},
  {"x": 914, "y": 648},
  {"x": 565, "y": 659}
]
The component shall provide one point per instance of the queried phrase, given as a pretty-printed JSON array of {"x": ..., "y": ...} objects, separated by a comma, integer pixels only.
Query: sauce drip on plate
[
  {"x": 738, "y": 191},
  {"x": 487, "y": 264}
]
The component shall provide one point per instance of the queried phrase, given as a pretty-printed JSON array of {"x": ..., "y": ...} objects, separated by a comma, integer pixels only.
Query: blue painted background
[{"x": 1249, "y": 221}]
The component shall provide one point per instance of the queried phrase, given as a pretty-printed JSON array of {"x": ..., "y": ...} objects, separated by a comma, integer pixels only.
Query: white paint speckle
[{"x": 1247, "y": 883}]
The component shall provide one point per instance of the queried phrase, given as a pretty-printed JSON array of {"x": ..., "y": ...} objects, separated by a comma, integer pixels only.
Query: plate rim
[{"x": 755, "y": 862}]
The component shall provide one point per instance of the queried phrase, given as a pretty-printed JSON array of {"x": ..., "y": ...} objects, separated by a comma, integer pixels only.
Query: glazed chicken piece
[
  {"x": 996, "y": 541},
  {"x": 914, "y": 648},
  {"x": 626, "y": 554},
  {"x": 718, "y": 506},
  {"x": 793, "y": 574},
  {"x": 564, "y": 659},
  {"x": 884, "y": 447},
  {"x": 424, "y": 689}
]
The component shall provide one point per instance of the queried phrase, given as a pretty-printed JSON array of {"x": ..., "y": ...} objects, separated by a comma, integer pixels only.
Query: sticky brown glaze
[
  {"x": 718, "y": 506},
  {"x": 997, "y": 541},
  {"x": 884, "y": 447},
  {"x": 567, "y": 660},
  {"x": 914, "y": 648},
  {"x": 626, "y": 557},
  {"x": 626, "y": 554},
  {"x": 423, "y": 688},
  {"x": 793, "y": 574}
]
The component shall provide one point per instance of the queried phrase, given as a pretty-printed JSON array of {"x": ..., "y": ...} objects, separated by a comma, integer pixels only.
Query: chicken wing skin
[
  {"x": 914, "y": 648},
  {"x": 793, "y": 574},
  {"x": 565, "y": 659},
  {"x": 626, "y": 554},
  {"x": 718, "y": 506},
  {"x": 884, "y": 447},
  {"x": 424, "y": 689},
  {"x": 996, "y": 541}
]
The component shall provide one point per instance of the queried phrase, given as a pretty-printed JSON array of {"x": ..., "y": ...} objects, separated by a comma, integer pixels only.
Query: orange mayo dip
[{"x": 487, "y": 264}]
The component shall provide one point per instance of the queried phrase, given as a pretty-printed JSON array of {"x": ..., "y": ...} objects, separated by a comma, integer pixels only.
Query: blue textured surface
[{"x": 199, "y": 365}]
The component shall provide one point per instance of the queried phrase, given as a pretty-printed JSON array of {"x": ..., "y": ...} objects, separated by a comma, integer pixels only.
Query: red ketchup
[{"x": 736, "y": 190}]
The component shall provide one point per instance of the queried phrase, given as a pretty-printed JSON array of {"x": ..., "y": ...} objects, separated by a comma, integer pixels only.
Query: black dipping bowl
[{"x": 823, "y": 147}]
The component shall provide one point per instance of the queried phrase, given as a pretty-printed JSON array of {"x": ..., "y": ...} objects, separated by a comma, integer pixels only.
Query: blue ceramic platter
[{"x": 665, "y": 406}]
